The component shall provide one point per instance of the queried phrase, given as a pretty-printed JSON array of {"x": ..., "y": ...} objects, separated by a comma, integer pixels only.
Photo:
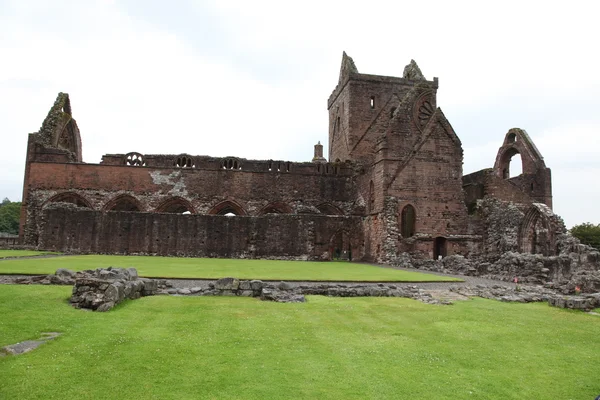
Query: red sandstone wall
[
  {"x": 203, "y": 188},
  {"x": 271, "y": 236}
]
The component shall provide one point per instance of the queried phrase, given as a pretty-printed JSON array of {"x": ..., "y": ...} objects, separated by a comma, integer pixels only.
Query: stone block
[
  {"x": 245, "y": 285},
  {"x": 256, "y": 284},
  {"x": 132, "y": 272},
  {"x": 227, "y": 284}
]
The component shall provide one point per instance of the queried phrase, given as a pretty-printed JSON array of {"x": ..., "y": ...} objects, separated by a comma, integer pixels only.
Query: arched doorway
[
  {"x": 439, "y": 247},
  {"x": 340, "y": 248}
]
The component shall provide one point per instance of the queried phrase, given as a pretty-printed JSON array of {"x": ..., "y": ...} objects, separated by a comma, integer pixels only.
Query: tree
[
  {"x": 10, "y": 213},
  {"x": 587, "y": 233}
]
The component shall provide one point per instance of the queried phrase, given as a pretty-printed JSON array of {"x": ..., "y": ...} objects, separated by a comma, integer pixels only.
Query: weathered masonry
[{"x": 393, "y": 184}]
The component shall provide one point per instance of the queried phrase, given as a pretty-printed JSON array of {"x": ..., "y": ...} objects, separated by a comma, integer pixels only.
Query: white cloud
[{"x": 257, "y": 86}]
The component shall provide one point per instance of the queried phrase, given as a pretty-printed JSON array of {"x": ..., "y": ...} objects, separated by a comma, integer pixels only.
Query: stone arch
[
  {"x": 69, "y": 197},
  {"x": 227, "y": 207},
  {"x": 176, "y": 205},
  {"x": 184, "y": 161},
  {"x": 134, "y": 159},
  {"x": 506, "y": 159},
  {"x": 123, "y": 202},
  {"x": 340, "y": 246},
  {"x": 518, "y": 141},
  {"x": 537, "y": 232},
  {"x": 329, "y": 209},
  {"x": 408, "y": 221},
  {"x": 276, "y": 207},
  {"x": 231, "y": 163}
]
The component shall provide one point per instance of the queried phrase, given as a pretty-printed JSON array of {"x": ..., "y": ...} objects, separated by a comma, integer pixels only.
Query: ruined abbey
[{"x": 391, "y": 185}]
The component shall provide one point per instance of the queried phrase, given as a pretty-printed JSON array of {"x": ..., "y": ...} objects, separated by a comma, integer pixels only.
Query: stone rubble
[{"x": 102, "y": 289}]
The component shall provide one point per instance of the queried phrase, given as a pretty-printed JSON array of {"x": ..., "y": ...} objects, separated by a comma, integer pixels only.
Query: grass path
[
  {"x": 173, "y": 267},
  {"x": 239, "y": 348},
  {"x": 23, "y": 253}
]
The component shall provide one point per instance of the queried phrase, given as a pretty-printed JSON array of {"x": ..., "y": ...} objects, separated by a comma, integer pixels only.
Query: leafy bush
[{"x": 587, "y": 233}]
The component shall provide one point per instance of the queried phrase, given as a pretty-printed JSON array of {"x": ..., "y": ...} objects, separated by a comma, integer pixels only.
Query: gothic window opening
[
  {"x": 231, "y": 163},
  {"x": 511, "y": 166},
  {"x": 372, "y": 102},
  {"x": 134, "y": 160},
  {"x": 184, "y": 161},
  {"x": 72, "y": 198},
  {"x": 275, "y": 208},
  {"x": 176, "y": 205},
  {"x": 227, "y": 208},
  {"x": 408, "y": 219},
  {"x": 123, "y": 203},
  {"x": 329, "y": 209}
]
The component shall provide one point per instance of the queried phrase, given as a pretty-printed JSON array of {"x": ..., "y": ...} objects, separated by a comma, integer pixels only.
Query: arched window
[
  {"x": 510, "y": 165},
  {"x": 275, "y": 208},
  {"x": 328, "y": 209},
  {"x": 123, "y": 203},
  {"x": 408, "y": 218},
  {"x": 72, "y": 198},
  {"x": 228, "y": 208},
  {"x": 184, "y": 161},
  {"x": 176, "y": 205},
  {"x": 134, "y": 160},
  {"x": 231, "y": 163}
]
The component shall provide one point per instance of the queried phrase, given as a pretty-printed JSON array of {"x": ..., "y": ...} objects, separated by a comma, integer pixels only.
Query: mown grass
[
  {"x": 329, "y": 348},
  {"x": 22, "y": 253},
  {"x": 173, "y": 267}
]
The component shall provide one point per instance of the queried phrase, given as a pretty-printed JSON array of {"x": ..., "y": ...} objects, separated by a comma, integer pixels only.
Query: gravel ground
[
  {"x": 468, "y": 281},
  {"x": 203, "y": 283}
]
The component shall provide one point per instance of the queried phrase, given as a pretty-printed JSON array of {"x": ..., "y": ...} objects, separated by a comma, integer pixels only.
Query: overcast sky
[{"x": 251, "y": 78}]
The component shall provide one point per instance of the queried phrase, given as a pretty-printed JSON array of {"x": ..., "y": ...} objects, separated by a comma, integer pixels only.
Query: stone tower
[{"x": 411, "y": 157}]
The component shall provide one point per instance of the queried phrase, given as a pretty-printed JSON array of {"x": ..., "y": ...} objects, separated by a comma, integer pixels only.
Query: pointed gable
[
  {"x": 347, "y": 68},
  {"x": 59, "y": 129},
  {"x": 413, "y": 72}
]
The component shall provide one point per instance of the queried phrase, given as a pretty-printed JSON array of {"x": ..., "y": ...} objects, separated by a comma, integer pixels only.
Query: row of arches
[{"x": 179, "y": 205}]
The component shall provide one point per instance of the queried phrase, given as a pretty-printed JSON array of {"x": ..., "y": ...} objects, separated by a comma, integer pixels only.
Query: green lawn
[
  {"x": 329, "y": 348},
  {"x": 22, "y": 253},
  {"x": 173, "y": 267}
]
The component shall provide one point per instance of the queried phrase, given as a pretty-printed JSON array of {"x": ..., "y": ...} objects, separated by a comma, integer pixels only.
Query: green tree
[
  {"x": 587, "y": 233},
  {"x": 10, "y": 213}
]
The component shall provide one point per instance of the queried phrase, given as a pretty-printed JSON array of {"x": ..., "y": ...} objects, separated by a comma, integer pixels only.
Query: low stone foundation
[
  {"x": 584, "y": 303},
  {"x": 102, "y": 289},
  {"x": 579, "y": 267}
]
